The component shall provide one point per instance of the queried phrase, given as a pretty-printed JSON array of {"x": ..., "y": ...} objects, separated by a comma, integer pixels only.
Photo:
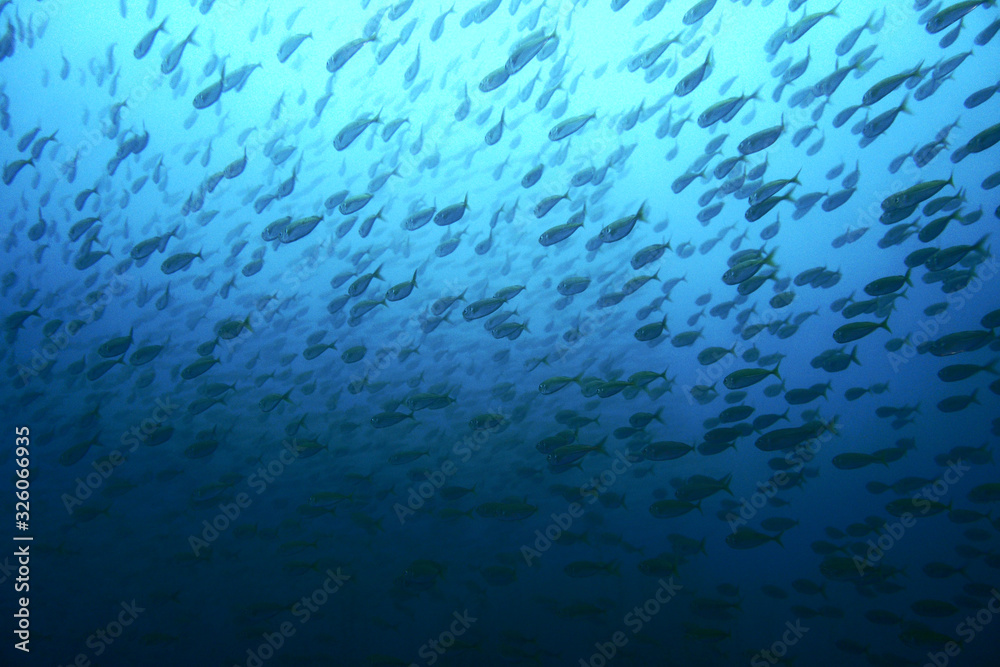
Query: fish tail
[
  {"x": 978, "y": 247},
  {"x": 903, "y": 107},
  {"x": 770, "y": 256}
]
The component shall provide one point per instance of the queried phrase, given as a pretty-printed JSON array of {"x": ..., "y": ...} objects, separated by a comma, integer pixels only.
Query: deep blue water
[{"x": 449, "y": 427}]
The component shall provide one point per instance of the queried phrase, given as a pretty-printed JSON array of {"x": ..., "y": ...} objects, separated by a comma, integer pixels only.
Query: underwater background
[{"x": 530, "y": 332}]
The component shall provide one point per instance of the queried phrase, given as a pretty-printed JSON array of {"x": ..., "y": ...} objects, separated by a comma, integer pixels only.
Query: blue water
[{"x": 233, "y": 492}]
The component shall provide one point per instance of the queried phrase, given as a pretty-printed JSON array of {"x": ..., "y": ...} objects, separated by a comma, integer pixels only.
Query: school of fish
[{"x": 253, "y": 366}]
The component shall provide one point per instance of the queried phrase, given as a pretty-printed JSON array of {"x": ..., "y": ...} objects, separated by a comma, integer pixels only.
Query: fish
[
  {"x": 749, "y": 377},
  {"x": 582, "y": 568},
  {"x": 747, "y": 538},
  {"x": 290, "y": 45},
  {"x": 951, "y": 14},
  {"x": 495, "y": 133},
  {"x": 173, "y": 57},
  {"x": 761, "y": 140},
  {"x": 570, "y": 126},
  {"x": 353, "y": 130},
  {"x": 807, "y": 22},
  {"x": 437, "y": 28},
  {"x": 343, "y": 55},
  {"x": 12, "y": 169},
  {"x": 667, "y": 509},
  {"x": 146, "y": 43},
  {"x": 211, "y": 94},
  {"x": 693, "y": 79},
  {"x": 587, "y": 357}
]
